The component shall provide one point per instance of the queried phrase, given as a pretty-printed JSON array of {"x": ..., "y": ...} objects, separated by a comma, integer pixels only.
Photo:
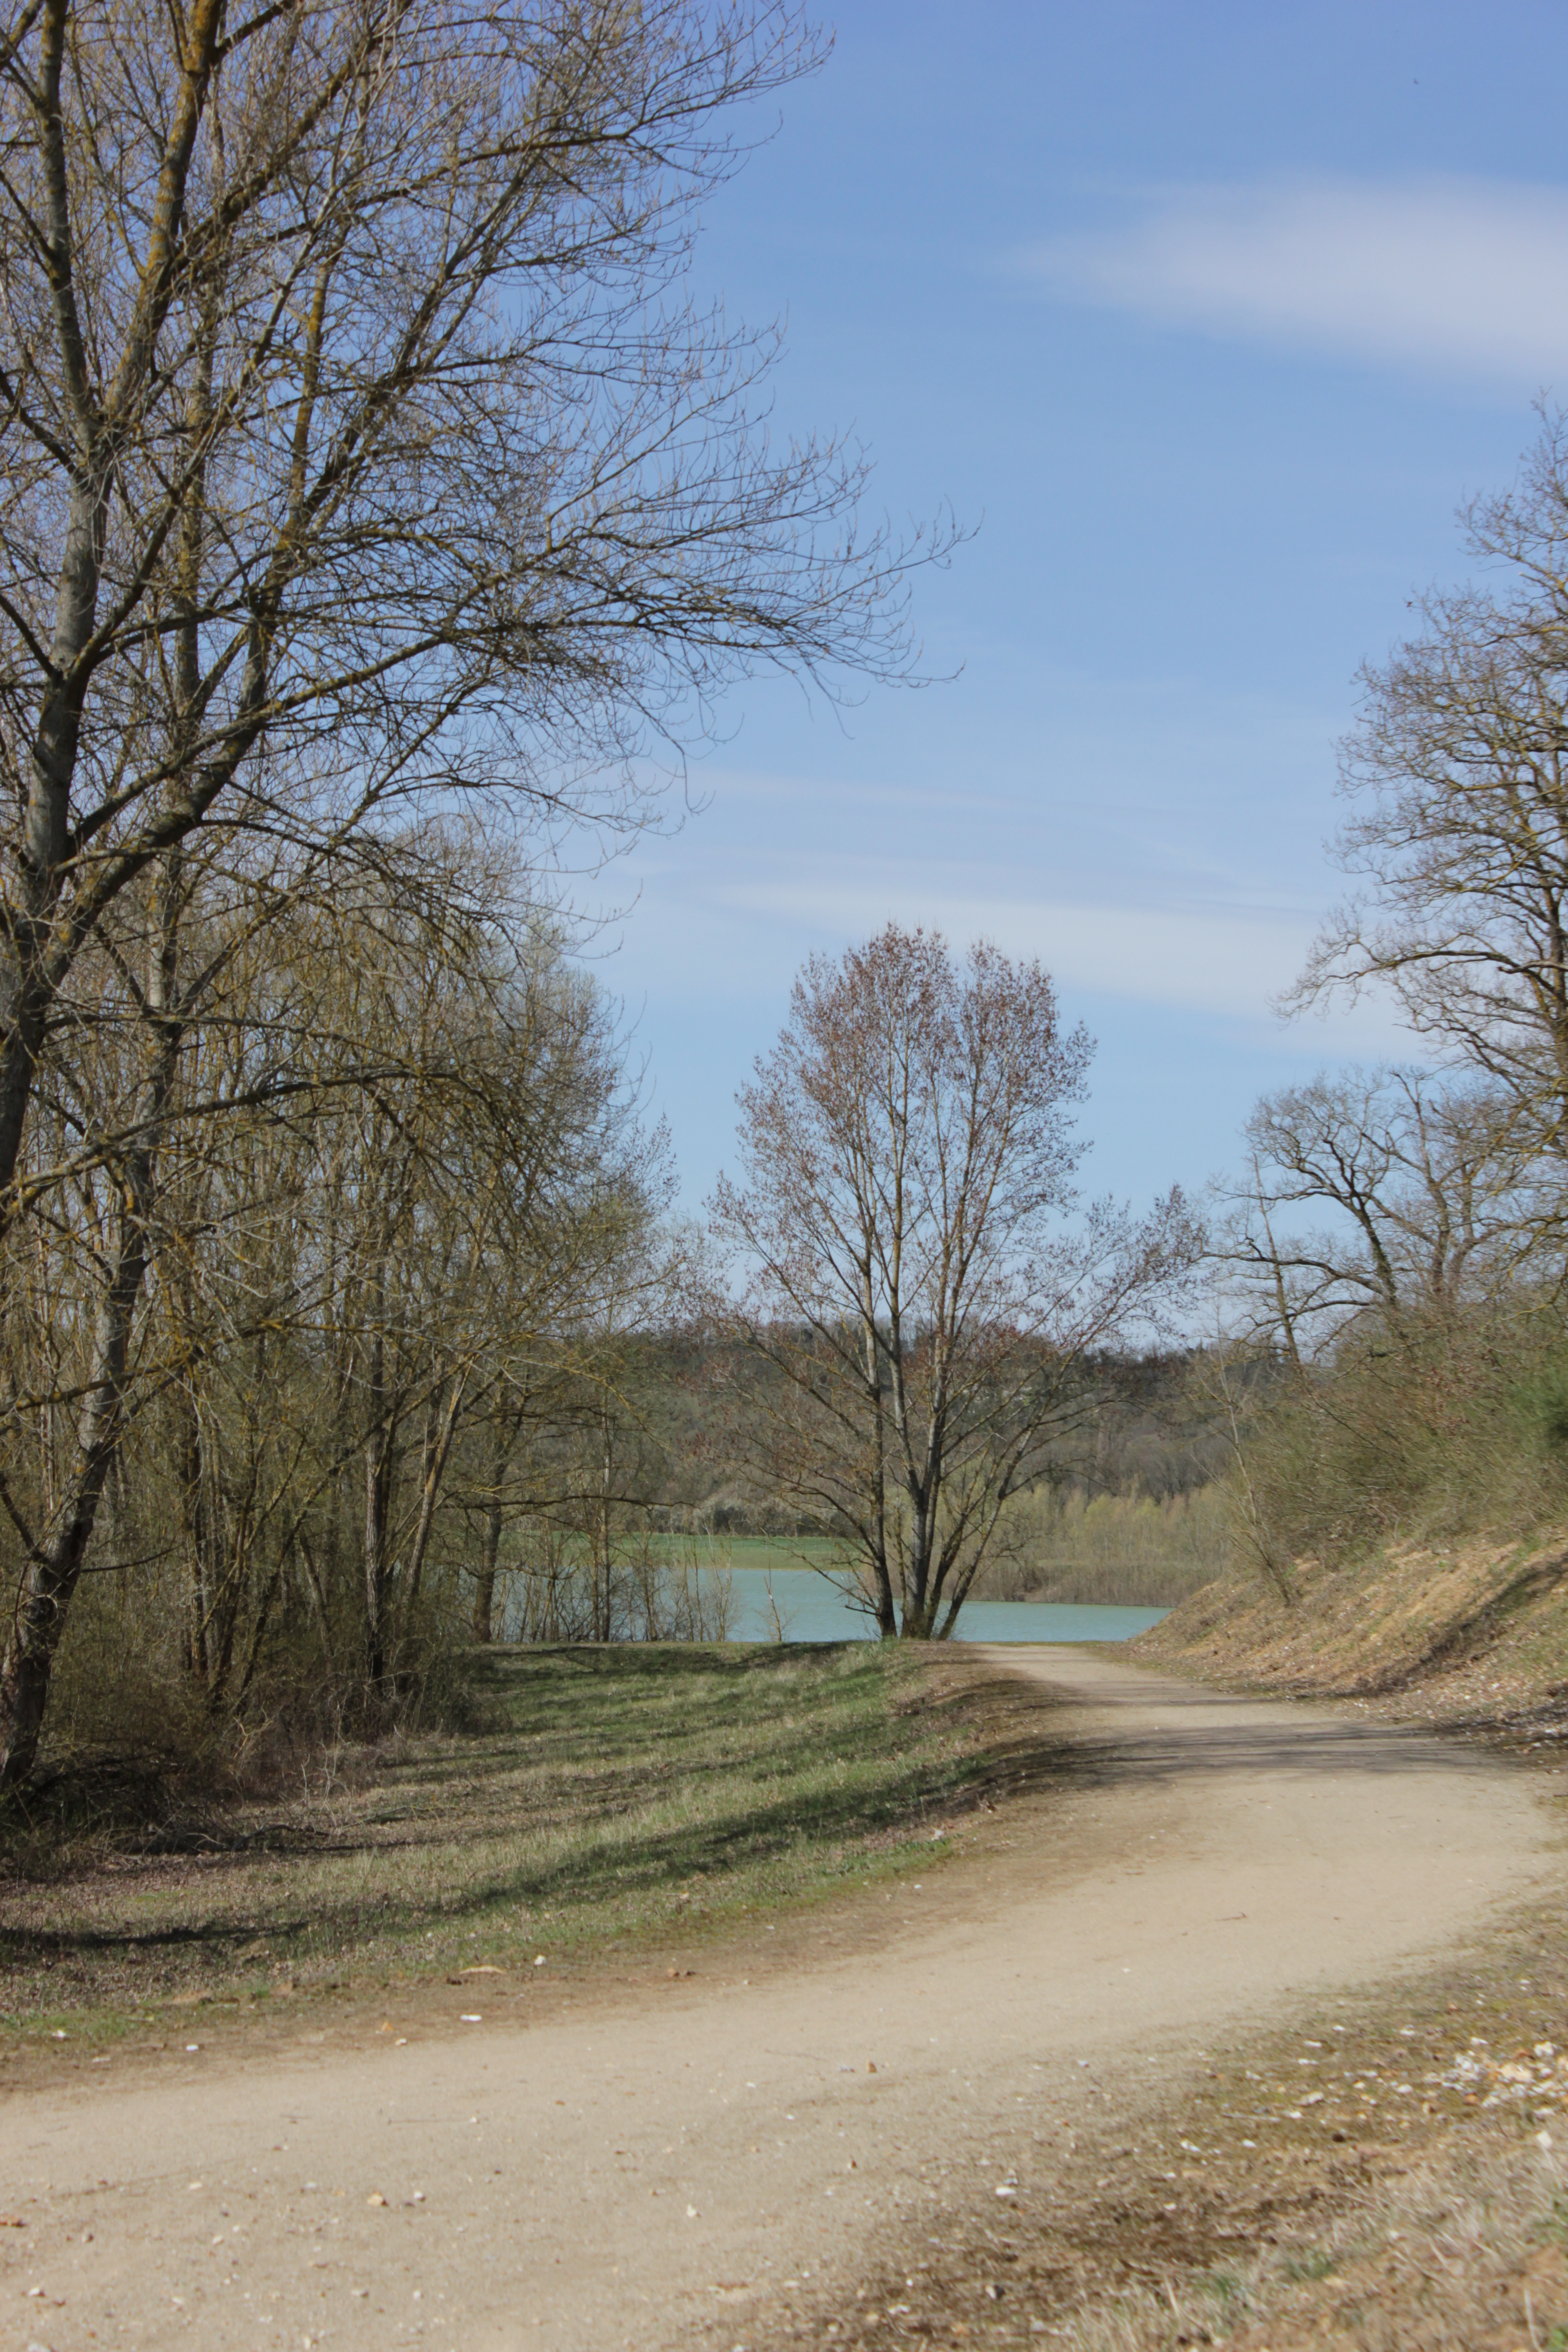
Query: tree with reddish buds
[{"x": 920, "y": 1271}]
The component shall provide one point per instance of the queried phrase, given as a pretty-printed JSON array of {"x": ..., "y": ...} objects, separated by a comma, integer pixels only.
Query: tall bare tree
[
  {"x": 360, "y": 450},
  {"x": 919, "y": 1267},
  {"x": 1456, "y": 776}
]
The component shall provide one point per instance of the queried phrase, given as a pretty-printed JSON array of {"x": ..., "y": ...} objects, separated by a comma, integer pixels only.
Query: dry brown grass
[
  {"x": 1474, "y": 1633},
  {"x": 1461, "y": 2253}
]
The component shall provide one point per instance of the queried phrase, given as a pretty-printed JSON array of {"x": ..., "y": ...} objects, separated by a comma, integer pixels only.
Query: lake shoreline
[{"x": 802, "y": 1605}]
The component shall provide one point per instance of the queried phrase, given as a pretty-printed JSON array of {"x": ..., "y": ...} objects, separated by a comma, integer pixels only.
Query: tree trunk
[
  {"x": 379, "y": 1458},
  {"x": 57, "y": 1560},
  {"x": 192, "y": 1502},
  {"x": 53, "y": 1572},
  {"x": 439, "y": 1432},
  {"x": 324, "y": 1622},
  {"x": 485, "y": 1583},
  {"x": 887, "y": 1623},
  {"x": 602, "y": 1594},
  {"x": 379, "y": 1454}
]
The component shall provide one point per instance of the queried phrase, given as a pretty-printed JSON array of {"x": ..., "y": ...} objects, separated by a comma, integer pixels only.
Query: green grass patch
[
  {"x": 1311, "y": 2264},
  {"x": 766, "y": 1553},
  {"x": 616, "y": 1795}
]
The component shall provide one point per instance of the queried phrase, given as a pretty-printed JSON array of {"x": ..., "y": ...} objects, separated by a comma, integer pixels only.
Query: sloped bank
[{"x": 1471, "y": 1633}]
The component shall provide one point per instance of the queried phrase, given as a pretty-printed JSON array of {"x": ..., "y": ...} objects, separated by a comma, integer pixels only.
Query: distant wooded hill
[{"x": 1152, "y": 1429}]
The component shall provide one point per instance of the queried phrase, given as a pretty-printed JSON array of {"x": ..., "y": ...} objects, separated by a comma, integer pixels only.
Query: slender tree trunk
[
  {"x": 378, "y": 1475},
  {"x": 323, "y": 1621},
  {"x": 379, "y": 1454},
  {"x": 917, "y": 1616},
  {"x": 440, "y": 1431},
  {"x": 601, "y": 1628},
  {"x": 887, "y": 1623},
  {"x": 275, "y": 1583},
  {"x": 485, "y": 1583},
  {"x": 232, "y": 1604},
  {"x": 53, "y": 1572},
  {"x": 192, "y": 1502},
  {"x": 482, "y": 1621}
]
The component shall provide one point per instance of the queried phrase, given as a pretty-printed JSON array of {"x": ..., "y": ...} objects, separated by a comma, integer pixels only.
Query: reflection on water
[{"x": 796, "y": 1605}]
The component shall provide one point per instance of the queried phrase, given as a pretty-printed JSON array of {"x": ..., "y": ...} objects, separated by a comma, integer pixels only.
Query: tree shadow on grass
[
  {"x": 885, "y": 1793},
  {"x": 19, "y": 1945}
]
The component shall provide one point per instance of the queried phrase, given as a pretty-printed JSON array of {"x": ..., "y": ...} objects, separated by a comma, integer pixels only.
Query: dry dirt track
[{"x": 657, "y": 2166}]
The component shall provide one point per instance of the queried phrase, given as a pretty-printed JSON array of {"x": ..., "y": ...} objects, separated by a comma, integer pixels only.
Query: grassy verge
[{"x": 614, "y": 1798}]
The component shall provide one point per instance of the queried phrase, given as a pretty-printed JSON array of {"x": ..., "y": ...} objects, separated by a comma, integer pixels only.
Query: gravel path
[{"x": 663, "y": 2163}]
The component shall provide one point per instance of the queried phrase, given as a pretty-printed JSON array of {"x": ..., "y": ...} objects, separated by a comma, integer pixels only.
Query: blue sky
[{"x": 1207, "y": 316}]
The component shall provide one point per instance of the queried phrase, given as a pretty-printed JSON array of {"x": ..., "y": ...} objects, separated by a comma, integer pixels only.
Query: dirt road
[{"x": 659, "y": 2165}]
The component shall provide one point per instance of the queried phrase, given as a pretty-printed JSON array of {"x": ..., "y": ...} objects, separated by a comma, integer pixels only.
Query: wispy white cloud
[
  {"x": 1212, "y": 960},
  {"x": 716, "y": 928},
  {"x": 1463, "y": 277}
]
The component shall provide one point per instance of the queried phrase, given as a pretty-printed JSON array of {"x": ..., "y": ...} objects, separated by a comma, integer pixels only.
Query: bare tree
[
  {"x": 351, "y": 411},
  {"x": 1387, "y": 1198},
  {"x": 920, "y": 1270},
  {"x": 1399, "y": 1239},
  {"x": 1457, "y": 777},
  {"x": 1389, "y": 1278},
  {"x": 360, "y": 450}
]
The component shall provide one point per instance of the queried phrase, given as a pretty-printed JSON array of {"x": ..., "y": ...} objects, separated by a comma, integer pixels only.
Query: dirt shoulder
[
  {"x": 744, "y": 2155},
  {"x": 1377, "y": 2171},
  {"x": 1383, "y": 2170}
]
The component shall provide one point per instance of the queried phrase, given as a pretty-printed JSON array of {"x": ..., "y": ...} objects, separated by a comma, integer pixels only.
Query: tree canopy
[{"x": 918, "y": 1264}]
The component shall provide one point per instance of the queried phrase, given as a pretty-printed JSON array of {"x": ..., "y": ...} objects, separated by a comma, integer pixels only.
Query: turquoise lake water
[{"x": 811, "y": 1611}]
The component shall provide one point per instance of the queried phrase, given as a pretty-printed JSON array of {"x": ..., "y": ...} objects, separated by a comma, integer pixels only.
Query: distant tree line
[{"x": 1139, "y": 1423}]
